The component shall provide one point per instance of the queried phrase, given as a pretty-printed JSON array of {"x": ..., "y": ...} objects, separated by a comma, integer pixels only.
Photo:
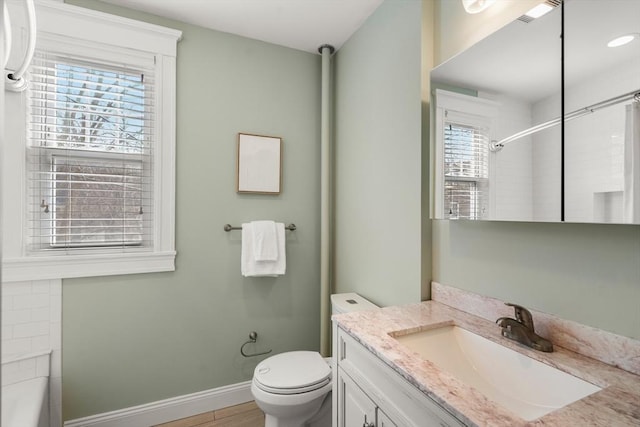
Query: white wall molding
[
  {"x": 169, "y": 409},
  {"x": 78, "y": 22},
  {"x": 52, "y": 267}
]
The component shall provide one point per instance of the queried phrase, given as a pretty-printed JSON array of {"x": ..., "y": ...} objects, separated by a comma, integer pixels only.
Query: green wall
[
  {"x": 588, "y": 273},
  {"x": 584, "y": 272},
  {"x": 378, "y": 157},
  {"x": 129, "y": 340}
]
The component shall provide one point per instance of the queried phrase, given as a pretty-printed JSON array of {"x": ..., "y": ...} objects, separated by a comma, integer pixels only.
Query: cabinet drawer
[{"x": 397, "y": 398}]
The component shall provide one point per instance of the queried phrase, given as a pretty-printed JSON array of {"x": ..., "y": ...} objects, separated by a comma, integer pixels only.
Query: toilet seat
[{"x": 293, "y": 372}]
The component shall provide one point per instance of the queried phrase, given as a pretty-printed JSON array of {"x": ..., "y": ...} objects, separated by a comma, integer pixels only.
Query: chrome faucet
[{"x": 521, "y": 329}]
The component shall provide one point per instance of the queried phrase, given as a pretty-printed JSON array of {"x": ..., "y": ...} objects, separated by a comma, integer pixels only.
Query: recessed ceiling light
[
  {"x": 539, "y": 10},
  {"x": 622, "y": 40},
  {"x": 476, "y": 6}
]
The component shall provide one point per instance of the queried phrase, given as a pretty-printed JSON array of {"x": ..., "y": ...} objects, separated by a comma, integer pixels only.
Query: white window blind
[
  {"x": 90, "y": 155},
  {"x": 466, "y": 167}
]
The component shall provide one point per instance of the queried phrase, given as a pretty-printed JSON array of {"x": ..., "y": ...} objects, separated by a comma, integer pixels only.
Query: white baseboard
[{"x": 171, "y": 409}]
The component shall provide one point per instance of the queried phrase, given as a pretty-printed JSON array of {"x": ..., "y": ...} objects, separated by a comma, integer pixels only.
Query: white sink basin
[{"x": 526, "y": 387}]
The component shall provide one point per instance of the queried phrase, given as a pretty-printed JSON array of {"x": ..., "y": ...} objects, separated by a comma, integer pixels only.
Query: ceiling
[{"x": 298, "y": 24}]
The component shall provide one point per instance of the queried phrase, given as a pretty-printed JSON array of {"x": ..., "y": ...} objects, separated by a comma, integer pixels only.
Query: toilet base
[{"x": 323, "y": 417}]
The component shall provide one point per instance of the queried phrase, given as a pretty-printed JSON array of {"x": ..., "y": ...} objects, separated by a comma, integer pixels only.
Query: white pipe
[
  {"x": 7, "y": 35},
  {"x": 325, "y": 203},
  {"x": 14, "y": 81}
]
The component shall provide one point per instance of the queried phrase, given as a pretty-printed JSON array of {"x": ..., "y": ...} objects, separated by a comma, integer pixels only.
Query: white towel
[
  {"x": 250, "y": 267},
  {"x": 265, "y": 242}
]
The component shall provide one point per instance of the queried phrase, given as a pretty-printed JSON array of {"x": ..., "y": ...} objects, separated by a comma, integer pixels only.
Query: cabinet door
[
  {"x": 357, "y": 409},
  {"x": 383, "y": 420}
]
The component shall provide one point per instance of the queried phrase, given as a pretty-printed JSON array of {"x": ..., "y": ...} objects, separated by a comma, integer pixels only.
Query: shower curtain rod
[{"x": 635, "y": 95}]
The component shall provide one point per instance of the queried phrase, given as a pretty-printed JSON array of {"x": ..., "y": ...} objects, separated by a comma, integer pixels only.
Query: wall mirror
[{"x": 498, "y": 147}]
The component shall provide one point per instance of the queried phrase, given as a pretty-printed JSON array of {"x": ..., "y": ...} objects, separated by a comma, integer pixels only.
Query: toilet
[{"x": 293, "y": 389}]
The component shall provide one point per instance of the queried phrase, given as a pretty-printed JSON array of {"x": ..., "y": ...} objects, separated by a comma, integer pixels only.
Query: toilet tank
[{"x": 348, "y": 302}]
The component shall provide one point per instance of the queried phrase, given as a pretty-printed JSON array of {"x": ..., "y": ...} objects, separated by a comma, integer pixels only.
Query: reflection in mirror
[
  {"x": 507, "y": 89},
  {"x": 506, "y": 83},
  {"x": 602, "y": 148}
]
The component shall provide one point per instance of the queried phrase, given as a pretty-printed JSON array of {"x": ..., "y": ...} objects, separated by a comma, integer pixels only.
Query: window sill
[{"x": 70, "y": 266}]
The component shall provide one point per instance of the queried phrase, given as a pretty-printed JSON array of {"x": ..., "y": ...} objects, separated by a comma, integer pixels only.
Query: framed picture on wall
[{"x": 259, "y": 164}]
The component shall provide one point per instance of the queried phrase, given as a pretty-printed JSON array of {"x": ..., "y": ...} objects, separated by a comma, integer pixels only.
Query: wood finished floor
[{"x": 244, "y": 415}]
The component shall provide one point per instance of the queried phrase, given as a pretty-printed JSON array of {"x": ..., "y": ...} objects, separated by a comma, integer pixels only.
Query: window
[
  {"x": 462, "y": 135},
  {"x": 466, "y": 169},
  {"x": 88, "y": 180},
  {"x": 89, "y": 157}
]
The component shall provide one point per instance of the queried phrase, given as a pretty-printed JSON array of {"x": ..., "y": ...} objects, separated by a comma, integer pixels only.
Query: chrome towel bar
[{"x": 229, "y": 227}]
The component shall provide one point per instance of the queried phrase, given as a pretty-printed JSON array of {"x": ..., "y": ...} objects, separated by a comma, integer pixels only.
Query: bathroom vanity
[
  {"x": 370, "y": 393},
  {"x": 380, "y": 380}
]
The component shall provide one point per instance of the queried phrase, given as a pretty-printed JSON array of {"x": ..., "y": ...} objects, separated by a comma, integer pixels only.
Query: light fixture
[
  {"x": 476, "y": 6},
  {"x": 622, "y": 40},
  {"x": 539, "y": 10}
]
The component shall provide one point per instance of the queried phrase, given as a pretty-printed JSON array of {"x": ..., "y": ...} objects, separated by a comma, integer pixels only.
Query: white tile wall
[
  {"x": 31, "y": 326},
  {"x": 512, "y": 182},
  {"x": 510, "y": 170},
  {"x": 593, "y": 147},
  {"x": 546, "y": 159},
  {"x": 25, "y": 368}
]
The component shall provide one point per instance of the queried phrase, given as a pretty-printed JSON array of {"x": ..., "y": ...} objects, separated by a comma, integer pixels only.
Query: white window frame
[
  {"x": 59, "y": 26},
  {"x": 484, "y": 109}
]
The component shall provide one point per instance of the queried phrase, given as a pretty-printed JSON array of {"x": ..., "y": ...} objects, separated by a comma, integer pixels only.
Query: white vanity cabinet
[
  {"x": 357, "y": 408},
  {"x": 369, "y": 393},
  {"x": 384, "y": 421}
]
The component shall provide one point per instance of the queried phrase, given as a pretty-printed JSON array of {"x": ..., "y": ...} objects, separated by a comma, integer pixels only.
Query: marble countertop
[{"x": 617, "y": 404}]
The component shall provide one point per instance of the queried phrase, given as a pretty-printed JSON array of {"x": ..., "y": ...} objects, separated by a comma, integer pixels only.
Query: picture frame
[{"x": 259, "y": 164}]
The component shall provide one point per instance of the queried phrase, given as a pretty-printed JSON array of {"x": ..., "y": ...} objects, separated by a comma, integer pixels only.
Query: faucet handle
[{"x": 522, "y": 315}]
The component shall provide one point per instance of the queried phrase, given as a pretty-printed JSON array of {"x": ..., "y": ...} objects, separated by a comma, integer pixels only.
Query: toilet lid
[{"x": 292, "y": 372}]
